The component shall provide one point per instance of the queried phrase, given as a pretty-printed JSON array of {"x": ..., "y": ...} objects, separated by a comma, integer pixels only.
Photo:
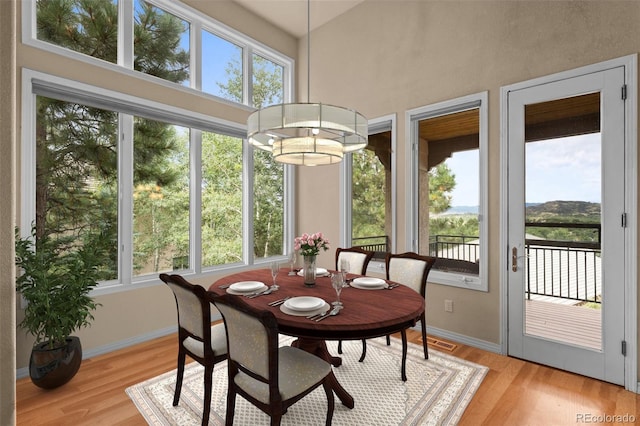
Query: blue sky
[{"x": 565, "y": 169}]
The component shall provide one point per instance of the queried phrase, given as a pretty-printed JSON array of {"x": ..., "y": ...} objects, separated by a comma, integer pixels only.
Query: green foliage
[
  {"x": 460, "y": 225},
  {"x": 441, "y": 183},
  {"x": 55, "y": 281},
  {"x": 368, "y": 199}
]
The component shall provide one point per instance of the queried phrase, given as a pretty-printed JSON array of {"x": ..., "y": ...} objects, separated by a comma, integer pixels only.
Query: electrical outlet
[{"x": 448, "y": 305}]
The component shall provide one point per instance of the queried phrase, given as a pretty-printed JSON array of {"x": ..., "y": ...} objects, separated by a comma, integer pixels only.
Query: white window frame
[
  {"x": 412, "y": 119},
  {"x": 35, "y": 83},
  {"x": 197, "y": 22}
]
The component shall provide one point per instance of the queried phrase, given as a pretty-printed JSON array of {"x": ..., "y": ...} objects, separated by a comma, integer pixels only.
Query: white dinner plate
[
  {"x": 320, "y": 272},
  {"x": 304, "y": 303},
  {"x": 246, "y": 286},
  {"x": 322, "y": 309},
  {"x": 369, "y": 283}
]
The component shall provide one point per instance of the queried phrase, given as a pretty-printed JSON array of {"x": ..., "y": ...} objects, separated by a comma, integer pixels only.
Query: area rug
[{"x": 436, "y": 393}]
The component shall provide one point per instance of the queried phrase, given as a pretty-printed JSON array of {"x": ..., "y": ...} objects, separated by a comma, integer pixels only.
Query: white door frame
[{"x": 630, "y": 64}]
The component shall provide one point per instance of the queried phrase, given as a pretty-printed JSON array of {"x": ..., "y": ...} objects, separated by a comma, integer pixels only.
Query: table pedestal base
[{"x": 319, "y": 349}]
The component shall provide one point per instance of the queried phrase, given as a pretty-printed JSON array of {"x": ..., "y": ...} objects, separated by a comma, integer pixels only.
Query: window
[
  {"x": 162, "y": 39},
  {"x": 222, "y": 61},
  {"x": 369, "y": 198},
  {"x": 160, "y": 43},
  {"x": 448, "y": 189},
  {"x": 176, "y": 191}
]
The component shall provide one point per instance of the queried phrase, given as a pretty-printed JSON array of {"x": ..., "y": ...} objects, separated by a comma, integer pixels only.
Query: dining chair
[
  {"x": 358, "y": 262},
  {"x": 197, "y": 338},
  {"x": 412, "y": 270},
  {"x": 268, "y": 376}
]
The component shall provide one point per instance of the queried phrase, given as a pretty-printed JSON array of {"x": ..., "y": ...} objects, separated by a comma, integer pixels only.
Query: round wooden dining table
[{"x": 366, "y": 313}]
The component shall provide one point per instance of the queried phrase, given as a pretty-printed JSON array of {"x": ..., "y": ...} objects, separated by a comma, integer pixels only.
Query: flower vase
[{"x": 309, "y": 271}]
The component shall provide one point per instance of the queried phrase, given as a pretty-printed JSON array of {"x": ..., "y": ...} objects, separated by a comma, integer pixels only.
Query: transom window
[{"x": 163, "y": 39}]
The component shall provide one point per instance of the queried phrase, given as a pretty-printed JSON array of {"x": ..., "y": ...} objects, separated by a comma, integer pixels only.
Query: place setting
[{"x": 371, "y": 283}]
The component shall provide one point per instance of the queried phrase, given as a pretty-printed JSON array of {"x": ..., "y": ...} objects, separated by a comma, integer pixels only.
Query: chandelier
[{"x": 307, "y": 134}]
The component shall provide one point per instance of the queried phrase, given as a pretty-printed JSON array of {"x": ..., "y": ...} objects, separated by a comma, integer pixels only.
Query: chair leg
[
  {"x": 176, "y": 395},
  {"x": 364, "y": 350},
  {"x": 388, "y": 340},
  {"x": 423, "y": 325},
  {"x": 276, "y": 419},
  {"x": 231, "y": 406},
  {"x": 208, "y": 380},
  {"x": 330, "y": 401},
  {"x": 340, "y": 346},
  {"x": 404, "y": 355}
]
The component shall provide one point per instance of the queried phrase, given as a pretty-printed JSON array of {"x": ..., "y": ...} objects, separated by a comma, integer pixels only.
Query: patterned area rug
[{"x": 436, "y": 393}]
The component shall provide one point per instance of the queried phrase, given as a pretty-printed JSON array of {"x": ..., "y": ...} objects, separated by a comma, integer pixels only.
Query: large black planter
[{"x": 50, "y": 368}]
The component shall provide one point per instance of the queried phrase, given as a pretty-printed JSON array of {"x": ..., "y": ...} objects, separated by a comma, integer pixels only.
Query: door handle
[{"x": 514, "y": 259}]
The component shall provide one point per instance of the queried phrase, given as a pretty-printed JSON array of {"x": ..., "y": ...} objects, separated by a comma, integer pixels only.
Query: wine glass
[
  {"x": 344, "y": 268},
  {"x": 292, "y": 262},
  {"x": 337, "y": 282},
  {"x": 275, "y": 268}
]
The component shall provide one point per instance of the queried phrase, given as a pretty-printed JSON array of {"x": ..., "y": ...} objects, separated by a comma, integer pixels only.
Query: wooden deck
[{"x": 576, "y": 325}]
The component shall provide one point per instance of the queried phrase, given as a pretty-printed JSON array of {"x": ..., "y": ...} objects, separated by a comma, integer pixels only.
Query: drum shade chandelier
[{"x": 307, "y": 134}]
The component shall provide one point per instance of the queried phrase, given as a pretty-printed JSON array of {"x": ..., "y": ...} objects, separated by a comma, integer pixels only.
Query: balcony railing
[
  {"x": 378, "y": 244},
  {"x": 560, "y": 269}
]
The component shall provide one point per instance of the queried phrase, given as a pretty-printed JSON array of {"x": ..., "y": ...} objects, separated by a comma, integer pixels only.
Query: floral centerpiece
[{"x": 309, "y": 246}]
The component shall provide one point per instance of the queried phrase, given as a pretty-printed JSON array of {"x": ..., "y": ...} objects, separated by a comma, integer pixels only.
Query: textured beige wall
[
  {"x": 126, "y": 315},
  {"x": 7, "y": 211},
  {"x": 385, "y": 57}
]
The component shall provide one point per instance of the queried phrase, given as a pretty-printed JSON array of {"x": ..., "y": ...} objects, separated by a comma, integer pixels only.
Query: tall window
[
  {"x": 368, "y": 176},
  {"x": 76, "y": 178},
  {"x": 221, "y": 199},
  {"x": 448, "y": 196},
  {"x": 370, "y": 198},
  {"x": 160, "y": 197}
]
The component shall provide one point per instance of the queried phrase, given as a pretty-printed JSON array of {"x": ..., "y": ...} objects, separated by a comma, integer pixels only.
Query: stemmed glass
[
  {"x": 344, "y": 268},
  {"x": 275, "y": 268},
  {"x": 337, "y": 282},
  {"x": 292, "y": 262}
]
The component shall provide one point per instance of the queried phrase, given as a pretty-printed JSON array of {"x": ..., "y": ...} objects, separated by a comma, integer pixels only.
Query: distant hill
[
  {"x": 564, "y": 208},
  {"x": 462, "y": 210}
]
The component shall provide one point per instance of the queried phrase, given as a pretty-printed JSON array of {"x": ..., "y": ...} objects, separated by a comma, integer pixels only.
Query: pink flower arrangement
[{"x": 310, "y": 245}]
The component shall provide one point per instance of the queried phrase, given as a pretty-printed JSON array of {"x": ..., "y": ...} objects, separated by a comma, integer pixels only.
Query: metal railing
[
  {"x": 561, "y": 269},
  {"x": 564, "y": 269},
  {"x": 378, "y": 244}
]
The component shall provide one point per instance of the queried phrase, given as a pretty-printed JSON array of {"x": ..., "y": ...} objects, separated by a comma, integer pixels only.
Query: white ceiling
[{"x": 291, "y": 15}]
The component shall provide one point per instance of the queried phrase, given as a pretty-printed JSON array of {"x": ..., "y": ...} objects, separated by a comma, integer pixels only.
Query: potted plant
[{"x": 55, "y": 280}]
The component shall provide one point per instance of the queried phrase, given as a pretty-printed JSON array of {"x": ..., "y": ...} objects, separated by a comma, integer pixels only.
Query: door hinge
[
  {"x": 624, "y": 348},
  {"x": 623, "y": 221},
  {"x": 624, "y": 92}
]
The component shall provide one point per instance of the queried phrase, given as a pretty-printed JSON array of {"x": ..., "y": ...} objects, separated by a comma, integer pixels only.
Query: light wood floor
[{"x": 514, "y": 392}]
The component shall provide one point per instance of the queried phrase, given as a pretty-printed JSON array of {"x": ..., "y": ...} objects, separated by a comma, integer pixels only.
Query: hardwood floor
[{"x": 514, "y": 392}]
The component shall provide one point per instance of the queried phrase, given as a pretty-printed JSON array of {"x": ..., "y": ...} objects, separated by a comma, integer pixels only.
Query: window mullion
[
  {"x": 195, "y": 205},
  {"x": 125, "y": 201},
  {"x": 125, "y": 33}
]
